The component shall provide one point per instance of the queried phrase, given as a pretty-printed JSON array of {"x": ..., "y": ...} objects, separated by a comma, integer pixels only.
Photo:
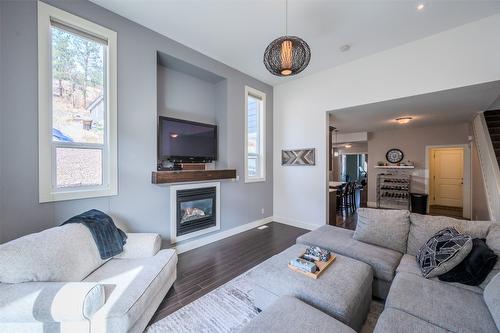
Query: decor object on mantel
[
  {"x": 287, "y": 55},
  {"x": 394, "y": 155},
  {"x": 298, "y": 157},
  {"x": 165, "y": 177}
]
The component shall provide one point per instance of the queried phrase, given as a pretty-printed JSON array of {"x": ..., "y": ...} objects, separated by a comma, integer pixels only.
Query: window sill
[
  {"x": 77, "y": 194},
  {"x": 255, "y": 180}
]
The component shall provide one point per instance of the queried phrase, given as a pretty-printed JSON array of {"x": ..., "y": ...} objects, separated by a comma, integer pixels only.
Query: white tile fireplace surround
[{"x": 194, "y": 210}]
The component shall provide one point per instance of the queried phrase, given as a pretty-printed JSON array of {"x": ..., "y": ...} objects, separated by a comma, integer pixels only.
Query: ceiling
[
  {"x": 443, "y": 107},
  {"x": 236, "y": 32},
  {"x": 355, "y": 146}
]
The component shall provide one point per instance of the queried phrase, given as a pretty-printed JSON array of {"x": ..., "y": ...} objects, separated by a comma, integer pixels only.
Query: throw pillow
[
  {"x": 383, "y": 227},
  {"x": 443, "y": 251},
  {"x": 474, "y": 269}
]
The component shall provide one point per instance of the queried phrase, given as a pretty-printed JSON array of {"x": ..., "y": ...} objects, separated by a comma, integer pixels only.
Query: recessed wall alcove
[{"x": 186, "y": 91}]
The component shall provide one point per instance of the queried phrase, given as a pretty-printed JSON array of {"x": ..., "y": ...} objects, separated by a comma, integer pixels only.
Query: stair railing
[{"x": 489, "y": 165}]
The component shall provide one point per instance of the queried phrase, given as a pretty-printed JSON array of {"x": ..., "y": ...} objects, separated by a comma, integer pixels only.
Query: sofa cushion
[
  {"x": 49, "y": 301},
  {"x": 383, "y": 227},
  {"x": 396, "y": 321},
  {"x": 338, "y": 240},
  {"x": 474, "y": 269},
  {"x": 129, "y": 285},
  {"x": 492, "y": 298},
  {"x": 443, "y": 251},
  {"x": 140, "y": 245},
  {"x": 441, "y": 304},
  {"x": 61, "y": 254},
  {"x": 408, "y": 264},
  {"x": 291, "y": 315},
  {"x": 493, "y": 242},
  {"x": 423, "y": 227}
]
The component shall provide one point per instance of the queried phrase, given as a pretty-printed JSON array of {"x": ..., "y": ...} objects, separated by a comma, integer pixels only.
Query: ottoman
[
  {"x": 342, "y": 291},
  {"x": 290, "y": 315}
]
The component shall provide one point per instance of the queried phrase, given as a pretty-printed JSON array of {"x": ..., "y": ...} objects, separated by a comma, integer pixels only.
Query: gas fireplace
[{"x": 196, "y": 210}]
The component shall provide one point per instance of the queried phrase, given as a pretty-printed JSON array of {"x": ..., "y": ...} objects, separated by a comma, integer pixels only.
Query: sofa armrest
[
  {"x": 50, "y": 301},
  {"x": 140, "y": 245}
]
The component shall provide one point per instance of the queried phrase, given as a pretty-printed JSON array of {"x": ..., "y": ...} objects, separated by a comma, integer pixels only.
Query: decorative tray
[{"x": 322, "y": 266}]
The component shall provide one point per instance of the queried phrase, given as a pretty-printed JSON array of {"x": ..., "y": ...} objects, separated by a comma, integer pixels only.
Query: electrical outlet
[
  {"x": 237, "y": 177},
  {"x": 262, "y": 211}
]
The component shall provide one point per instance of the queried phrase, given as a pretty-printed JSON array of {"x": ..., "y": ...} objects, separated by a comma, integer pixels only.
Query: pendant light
[
  {"x": 287, "y": 55},
  {"x": 336, "y": 153}
]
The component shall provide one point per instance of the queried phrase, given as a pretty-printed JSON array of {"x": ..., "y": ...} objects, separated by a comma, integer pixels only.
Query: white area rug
[{"x": 227, "y": 309}]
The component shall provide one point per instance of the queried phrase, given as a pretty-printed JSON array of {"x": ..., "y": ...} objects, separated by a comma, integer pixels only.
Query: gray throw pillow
[
  {"x": 383, "y": 227},
  {"x": 443, "y": 251}
]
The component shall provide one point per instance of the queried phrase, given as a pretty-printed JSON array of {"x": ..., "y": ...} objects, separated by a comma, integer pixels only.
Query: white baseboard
[
  {"x": 180, "y": 248},
  {"x": 371, "y": 204},
  {"x": 295, "y": 223}
]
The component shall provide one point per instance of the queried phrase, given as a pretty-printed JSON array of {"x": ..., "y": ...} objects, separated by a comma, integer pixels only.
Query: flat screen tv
[{"x": 186, "y": 141}]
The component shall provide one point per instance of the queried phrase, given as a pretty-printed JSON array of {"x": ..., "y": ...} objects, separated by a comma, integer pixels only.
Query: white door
[{"x": 447, "y": 172}]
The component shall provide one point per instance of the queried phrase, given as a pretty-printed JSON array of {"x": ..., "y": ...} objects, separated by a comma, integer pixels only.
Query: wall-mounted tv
[{"x": 184, "y": 141}]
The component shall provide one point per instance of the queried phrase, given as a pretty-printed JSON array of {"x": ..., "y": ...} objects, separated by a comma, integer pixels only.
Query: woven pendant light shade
[{"x": 287, "y": 56}]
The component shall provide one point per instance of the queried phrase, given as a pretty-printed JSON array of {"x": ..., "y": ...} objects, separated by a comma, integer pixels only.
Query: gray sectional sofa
[
  {"x": 414, "y": 303},
  {"x": 289, "y": 314}
]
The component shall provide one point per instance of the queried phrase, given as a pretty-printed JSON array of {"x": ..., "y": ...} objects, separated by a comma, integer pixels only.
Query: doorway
[
  {"x": 354, "y": 167},
  {"x": 446, "y": 181}
]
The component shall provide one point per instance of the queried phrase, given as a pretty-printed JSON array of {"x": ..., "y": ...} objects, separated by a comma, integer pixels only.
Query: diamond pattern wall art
[{"x": 298, "y": 157}]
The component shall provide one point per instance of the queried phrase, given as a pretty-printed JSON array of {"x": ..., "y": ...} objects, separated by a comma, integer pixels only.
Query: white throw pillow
[
  {"x": 383, "y": 227},
  {"x": 63, "y": 254}
]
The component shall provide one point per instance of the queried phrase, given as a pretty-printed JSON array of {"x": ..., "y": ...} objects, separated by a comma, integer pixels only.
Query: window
[
  {"x": 255, "y": 152},
  {"x": 77, "y": 107}
]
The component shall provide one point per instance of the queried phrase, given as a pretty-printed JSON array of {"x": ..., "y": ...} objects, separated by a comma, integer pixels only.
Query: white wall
[{"x": 458, "y": 57}]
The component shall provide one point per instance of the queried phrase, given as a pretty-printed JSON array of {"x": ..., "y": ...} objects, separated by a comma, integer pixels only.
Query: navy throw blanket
[{"x": 108, "y": 238}]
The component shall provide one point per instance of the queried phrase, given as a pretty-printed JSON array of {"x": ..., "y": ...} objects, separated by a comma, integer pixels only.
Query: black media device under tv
[{"x": 183, "y": 141}]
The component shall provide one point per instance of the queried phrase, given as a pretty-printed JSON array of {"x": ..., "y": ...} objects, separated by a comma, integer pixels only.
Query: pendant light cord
[{"x": 286, "y": 17}]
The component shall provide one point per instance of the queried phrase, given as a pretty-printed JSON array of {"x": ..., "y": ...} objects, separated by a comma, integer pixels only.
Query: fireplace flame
[{"x": 192, "y": 213}]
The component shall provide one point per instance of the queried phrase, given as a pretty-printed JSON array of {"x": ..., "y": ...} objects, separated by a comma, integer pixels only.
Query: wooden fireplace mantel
[{"x": 179, "y": 176}]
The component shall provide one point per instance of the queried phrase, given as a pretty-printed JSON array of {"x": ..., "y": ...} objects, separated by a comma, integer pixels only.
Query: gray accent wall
[
  {"x": 412, "y": 141},
  {"x": 2, "y": 98},
  {"x": 140, "y": 205}
]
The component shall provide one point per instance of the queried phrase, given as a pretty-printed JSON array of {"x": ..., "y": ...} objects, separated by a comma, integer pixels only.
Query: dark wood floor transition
[{"x": 201, "y": 270}]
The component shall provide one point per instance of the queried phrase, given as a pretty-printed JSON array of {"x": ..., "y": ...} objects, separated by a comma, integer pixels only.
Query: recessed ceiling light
[
  {"x": 348, "y": 145},
  {"x": 420, "y": 6},
  {"x": 345, "y": 48},
  {"x": 174, "y": 135},
  {"x": 404, "y": 120}
]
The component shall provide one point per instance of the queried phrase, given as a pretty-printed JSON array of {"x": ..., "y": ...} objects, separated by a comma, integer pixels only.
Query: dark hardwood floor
[
  {"x": 455, "y": 212},
  {"x": 346, "y": 218},
  {"x": 201, "y": 270}
]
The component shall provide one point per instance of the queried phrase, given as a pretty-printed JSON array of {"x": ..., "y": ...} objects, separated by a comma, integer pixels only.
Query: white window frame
[
  {"x": 48, "y": 192},
  {"x": 262, "y": 131}
]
